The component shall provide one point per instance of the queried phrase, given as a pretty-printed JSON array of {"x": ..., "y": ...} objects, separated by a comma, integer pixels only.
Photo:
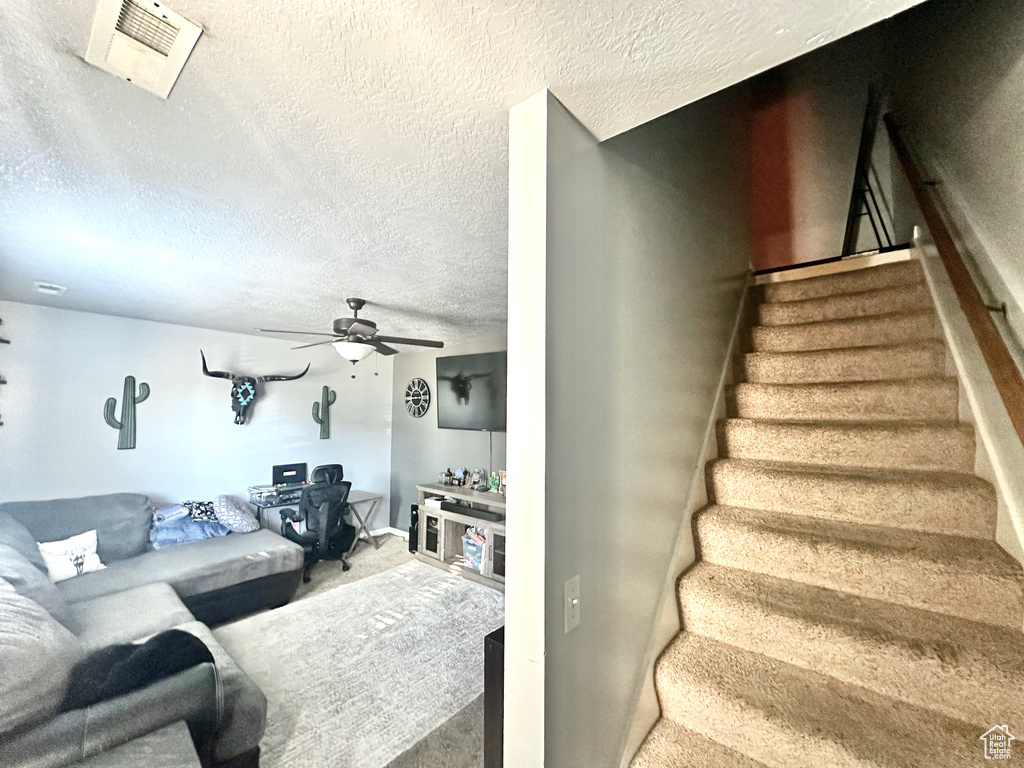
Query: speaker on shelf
[{"x": 414, "y": 528}]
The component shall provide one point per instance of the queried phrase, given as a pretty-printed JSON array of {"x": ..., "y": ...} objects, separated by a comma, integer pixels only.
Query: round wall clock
[{"x": 417, "y": 398}]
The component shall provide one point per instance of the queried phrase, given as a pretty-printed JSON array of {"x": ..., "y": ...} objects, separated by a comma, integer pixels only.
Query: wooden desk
[{"x": 441, "y": 531}]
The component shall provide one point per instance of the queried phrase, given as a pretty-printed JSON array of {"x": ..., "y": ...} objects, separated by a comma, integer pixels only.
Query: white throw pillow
[{"x": 71, "y": 557}]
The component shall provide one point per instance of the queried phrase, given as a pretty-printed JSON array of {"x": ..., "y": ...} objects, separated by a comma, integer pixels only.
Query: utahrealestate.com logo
[{"x": 997, "y": 742}]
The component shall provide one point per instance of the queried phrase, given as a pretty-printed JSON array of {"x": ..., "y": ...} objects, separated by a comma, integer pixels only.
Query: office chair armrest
[{"x": 291, "y": 515}]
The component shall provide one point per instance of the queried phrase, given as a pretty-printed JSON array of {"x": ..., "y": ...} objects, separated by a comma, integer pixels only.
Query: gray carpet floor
[
  {"x": 373, "y": 672},
  {"x": 456, "y": 743},
  {"x": 365, "y": 561}
]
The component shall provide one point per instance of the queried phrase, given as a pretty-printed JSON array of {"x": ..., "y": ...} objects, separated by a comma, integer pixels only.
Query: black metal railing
[{"x": 864, "y": 200}]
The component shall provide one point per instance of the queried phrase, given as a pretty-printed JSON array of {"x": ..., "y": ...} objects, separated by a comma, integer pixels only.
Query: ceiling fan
[{"x": 355, "y": 338}]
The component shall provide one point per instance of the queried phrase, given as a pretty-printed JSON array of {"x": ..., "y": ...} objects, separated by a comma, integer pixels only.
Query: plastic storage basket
[{"x": 472, "y": 552}]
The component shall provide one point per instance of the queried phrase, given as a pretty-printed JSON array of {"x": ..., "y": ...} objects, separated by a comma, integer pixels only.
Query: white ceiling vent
[{"x": 143, "y": 42}]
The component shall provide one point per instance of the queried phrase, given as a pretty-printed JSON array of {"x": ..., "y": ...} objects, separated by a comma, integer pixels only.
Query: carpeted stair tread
[
  {"x": 969, "y": 578},
  {"x": 788, "y": 717},
  {"x": 900, "y": 445},
  {"x": 962, "y": 669},
  {"x": 898, "y": 361},
  {"x": 849, "y": 605},
  {"x": 669, "y": 744},
  {"x": 950, "y": 503},
  {"x": 869, "y": 279},
  {"x": 902, "y": 298},
  {"x": 875, "y": 330},
  {"x": 908, "y": 399}
]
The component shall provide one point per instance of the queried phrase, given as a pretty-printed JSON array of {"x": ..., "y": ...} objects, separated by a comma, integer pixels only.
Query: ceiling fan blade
[
  {"x": 359, "y": 328},
  {"x": 416, "y": 342},
  {"x": 384, "y": 349},
  {"x": 300, "y": 333},
  {"x": 316, "y": 344}
]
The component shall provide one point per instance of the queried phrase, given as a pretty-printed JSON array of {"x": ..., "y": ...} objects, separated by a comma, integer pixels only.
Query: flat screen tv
[{"x": 471, "y": 392}]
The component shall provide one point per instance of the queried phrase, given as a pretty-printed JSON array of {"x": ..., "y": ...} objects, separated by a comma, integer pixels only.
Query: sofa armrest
[{"x": 193, "y": 695}]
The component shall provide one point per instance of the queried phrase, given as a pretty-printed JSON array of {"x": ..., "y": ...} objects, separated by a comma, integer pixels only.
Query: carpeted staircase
[{"x": 849, "y": 605}]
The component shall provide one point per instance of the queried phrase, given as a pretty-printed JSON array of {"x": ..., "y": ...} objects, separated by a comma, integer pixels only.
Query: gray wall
[
  {"x": 648, "y": 246},
  {"x": 419, "y": 450},
  {"x": 960, "y": 93},
  {"x": 62, "y": 366}
]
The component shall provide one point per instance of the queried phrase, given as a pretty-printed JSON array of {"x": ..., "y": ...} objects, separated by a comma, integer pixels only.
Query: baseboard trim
[
  {"x": 646, "y": 709},
  {"x": 834, "y": 267},
  {"x": 1000, "y": 454},
  {"x": 388, "y": 530}
]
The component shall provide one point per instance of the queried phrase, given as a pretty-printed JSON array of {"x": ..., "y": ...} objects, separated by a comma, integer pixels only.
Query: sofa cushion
[
  {"x": 36, "y": 657},
  {"x": 16, "y": 535},
  {"x": 78, "y": 734},
  {"x": 34, "y": 584},
  {"x": 124, "y": 617},
  {"x": 195, "y": 568},
  {"x": 122, "y": 521},
  {"x": 244, "y": 716},
  {"x": 169, "y": 747}
]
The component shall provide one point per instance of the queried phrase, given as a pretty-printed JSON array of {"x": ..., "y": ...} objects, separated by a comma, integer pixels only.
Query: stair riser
[
  {"x": 668, "y": 746},
  {"x": 901, "y": 299},
  {"x": 872, "y": 501},
  {"x": 894, "y": 576},
  {"x": 922, "y": 676},
  {"x": 702, "y": 708},
  {"x": 862, "y": 332},
  {"x": 899, "y": 447},
  {"x": 874, "y": 278},
  {"x": 786, "y": 716},
  {"x": 879, "y": 401},
  {"x": 866, "y": 364}
]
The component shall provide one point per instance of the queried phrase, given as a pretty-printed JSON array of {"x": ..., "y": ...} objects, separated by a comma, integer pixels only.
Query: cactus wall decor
[
  {"x": 126, "y": 426},
  {"x": 322, "y": 412}
]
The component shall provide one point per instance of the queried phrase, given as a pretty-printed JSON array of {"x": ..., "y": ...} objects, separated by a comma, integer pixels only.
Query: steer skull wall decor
[{"x": 243, "y": 388}]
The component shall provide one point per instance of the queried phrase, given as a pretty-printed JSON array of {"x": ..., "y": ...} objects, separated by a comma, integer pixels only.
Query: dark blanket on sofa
[{"x": 118, "y": 669}]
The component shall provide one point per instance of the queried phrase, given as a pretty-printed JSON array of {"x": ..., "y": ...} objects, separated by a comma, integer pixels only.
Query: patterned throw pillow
[
  {"x": 235, "y": 515},
  {"x": 71, "y": 557}
]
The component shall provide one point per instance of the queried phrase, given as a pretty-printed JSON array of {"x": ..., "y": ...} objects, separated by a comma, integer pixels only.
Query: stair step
[
  {"x": 939, "y": 502},
  {"x": 963, "y": 669},
  {"x": 787, "y": 717},
  {"x": 893, "y": 444},
  {"x": 669, "y": 745},
  {"x": 870, "y": 279},
  {"x": 969, "y": 578},
  {"x": 908, "y": 399},
  {"x": 902, "y": 298},
  {"x": 901, "y": 361},
  {"x": 875, "y": 330}
]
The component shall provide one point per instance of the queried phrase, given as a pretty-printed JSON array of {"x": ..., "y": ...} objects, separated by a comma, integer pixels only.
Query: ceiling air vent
[{"x": 144, "y": 42}]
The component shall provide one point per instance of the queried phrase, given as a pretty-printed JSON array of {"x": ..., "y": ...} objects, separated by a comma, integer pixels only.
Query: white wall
[
  {"x": 960, "y": 96},
  {"x": 419, "y": 450},
  {"x": 637, "y": 273},
  {"x": 62, "y": 366}
]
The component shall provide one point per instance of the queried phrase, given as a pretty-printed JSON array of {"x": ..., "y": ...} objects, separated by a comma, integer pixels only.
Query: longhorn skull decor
[{"x": 243, "y": 388}]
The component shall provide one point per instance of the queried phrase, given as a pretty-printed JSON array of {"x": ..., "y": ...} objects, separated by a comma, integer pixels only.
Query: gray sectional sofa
[{"x": 209, "y": 715}]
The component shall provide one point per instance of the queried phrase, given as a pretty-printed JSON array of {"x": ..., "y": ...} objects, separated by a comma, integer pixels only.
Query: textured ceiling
[{"x": 319, "y": 149}]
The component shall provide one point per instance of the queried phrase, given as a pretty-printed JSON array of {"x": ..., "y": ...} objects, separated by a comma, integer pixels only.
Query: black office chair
[{"x": 323, "y": 506}]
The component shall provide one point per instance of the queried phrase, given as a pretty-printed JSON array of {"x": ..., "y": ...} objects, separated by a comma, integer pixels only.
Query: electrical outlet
[{"x": 572, "y": 604}]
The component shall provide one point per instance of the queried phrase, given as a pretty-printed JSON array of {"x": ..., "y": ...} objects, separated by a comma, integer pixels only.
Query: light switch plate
[{"x": 572, "y": 604}]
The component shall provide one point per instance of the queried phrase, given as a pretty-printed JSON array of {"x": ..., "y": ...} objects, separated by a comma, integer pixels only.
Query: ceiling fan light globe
[{"x": 353, "y": 351}]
